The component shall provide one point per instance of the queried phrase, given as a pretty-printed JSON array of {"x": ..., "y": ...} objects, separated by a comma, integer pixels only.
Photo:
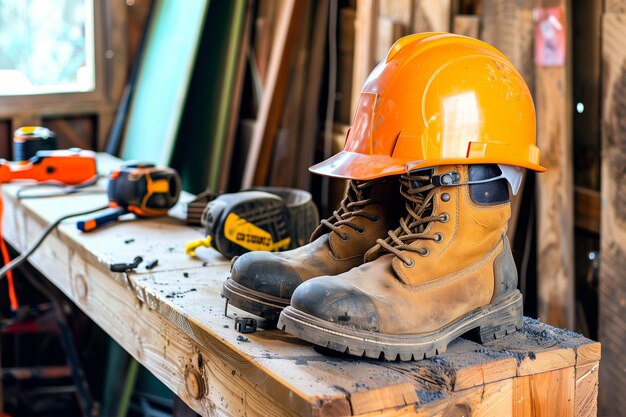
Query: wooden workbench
[{"x": 171, "y": 319}]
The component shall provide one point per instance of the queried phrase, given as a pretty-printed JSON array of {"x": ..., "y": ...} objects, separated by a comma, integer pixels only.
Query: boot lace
[
  {"x": 352, "y": 206},
  {"x": 419, "y": 193}
]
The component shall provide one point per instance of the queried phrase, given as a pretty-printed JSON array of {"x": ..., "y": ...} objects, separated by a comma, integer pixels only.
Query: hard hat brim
[{"x": 361, "y": 167}]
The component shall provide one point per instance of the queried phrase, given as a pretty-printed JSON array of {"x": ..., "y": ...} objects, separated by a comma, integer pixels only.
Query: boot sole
[
  {"x": 493, "y": 321},
  {"x": 254, "y": 302}
]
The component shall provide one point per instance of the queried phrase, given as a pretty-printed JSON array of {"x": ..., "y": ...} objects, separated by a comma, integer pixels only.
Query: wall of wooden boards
[{"x": 612, "y": 324}]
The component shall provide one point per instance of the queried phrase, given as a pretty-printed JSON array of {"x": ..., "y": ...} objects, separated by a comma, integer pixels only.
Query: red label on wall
[{"x": 550, "y": 44}]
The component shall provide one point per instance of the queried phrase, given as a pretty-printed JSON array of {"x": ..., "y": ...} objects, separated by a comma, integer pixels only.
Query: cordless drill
[{"x": 138, "y": 188}]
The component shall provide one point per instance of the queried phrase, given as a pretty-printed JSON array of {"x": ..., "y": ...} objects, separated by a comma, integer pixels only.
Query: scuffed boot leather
[
  {"x": 446, "y": 270},
  {"x": 262, "y": 282}
]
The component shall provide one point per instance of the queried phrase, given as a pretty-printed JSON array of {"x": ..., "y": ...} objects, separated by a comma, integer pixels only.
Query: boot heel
[{"x": 506, "y": 318}]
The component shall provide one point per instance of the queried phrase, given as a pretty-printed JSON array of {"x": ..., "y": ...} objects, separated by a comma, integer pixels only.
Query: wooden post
[
  {"x": 612, "y": 303},
  {"x": 283, "y": 48},
  {"x": 365, "y": 36},
  {"x": 466, "y": 25},
  {"x": 432, "y": 16},
  {"x": 555, "y": 208}
]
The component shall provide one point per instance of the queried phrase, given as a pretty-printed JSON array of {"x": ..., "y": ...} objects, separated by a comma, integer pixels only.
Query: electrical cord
[
  {"x": 24, "y": 256},
  {"x": 65, "y": 190}
]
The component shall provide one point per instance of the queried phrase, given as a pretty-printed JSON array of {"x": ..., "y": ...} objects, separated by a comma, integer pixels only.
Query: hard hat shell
[{"x": 438, "y": 99}]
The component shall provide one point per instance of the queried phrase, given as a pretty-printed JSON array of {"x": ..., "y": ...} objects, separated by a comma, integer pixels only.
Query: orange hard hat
[{"x": 438, "y": 99}]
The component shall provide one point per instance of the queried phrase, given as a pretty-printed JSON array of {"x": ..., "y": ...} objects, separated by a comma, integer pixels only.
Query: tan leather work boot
[
  {"x": 262, "y": 282},
  {"x": 446, "y": 270}
]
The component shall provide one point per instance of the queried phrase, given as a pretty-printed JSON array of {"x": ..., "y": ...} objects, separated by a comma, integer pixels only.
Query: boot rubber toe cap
[
  {"x": 266, "y": 273},
  {"x": 335, "y": 301}
]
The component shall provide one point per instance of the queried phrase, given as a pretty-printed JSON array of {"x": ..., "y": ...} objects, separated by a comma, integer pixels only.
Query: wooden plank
[
  {"x": 365, "y": 36},
  {"x": 389, "y": 31},
  {"x": 399, "y": 10},
  {"x": 615, "y": 6},
  {"x": 229, "y": 96},
  {"x": 466, "y": 25},
  {"x": 310, "y": 124},
  {"x": 116, "y": 64},
  {"x": 172, "y": 320},
  {"x": 587, "y": 209},
  {"x": 493, "y": 399},
  {"x": 545, "y": 395},
  {"x": 432, "y": 16},
  {"x": 284, "y": 166},
  {"x": 345, "y": 64},
  {"x": 555, "y": 197},
  {"x": 389, "y": 397},
  {"x": 283, "y": 48},
  {"x": 612, "y": 288},
  {"x": 586, "y": 395},
  {"x": 233, "y": 121}
]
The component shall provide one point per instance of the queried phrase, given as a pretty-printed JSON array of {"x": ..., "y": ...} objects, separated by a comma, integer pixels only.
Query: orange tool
[{"x": 70, "y": 167}]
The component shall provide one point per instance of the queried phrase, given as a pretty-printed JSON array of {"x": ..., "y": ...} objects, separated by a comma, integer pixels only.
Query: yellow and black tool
[
  {"x": 138, "y": 188},
  {"x": 266, "y": 219}
]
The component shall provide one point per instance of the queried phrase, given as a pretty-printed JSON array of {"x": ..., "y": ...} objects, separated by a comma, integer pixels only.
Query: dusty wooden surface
[
  {"x": 612, "y": 286},
  {"x": 171, "y": 320}
]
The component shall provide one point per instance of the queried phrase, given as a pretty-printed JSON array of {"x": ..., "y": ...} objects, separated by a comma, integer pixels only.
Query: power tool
[
  {"x": 264, "y": 218},
  {"x": 69, "y": 167},
  {"x": 139, "y": 188}
]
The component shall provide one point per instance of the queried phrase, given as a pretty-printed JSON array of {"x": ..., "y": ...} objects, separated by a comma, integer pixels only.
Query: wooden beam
[
  {"x": 432, "y": 16},
  {"x": 555, "y": 208},
  {"x": 587, "y": 209},
  {"x": 284, "y": 166},
  {"x": 612, "y": 304},
  {"x": 389, "y": 31},
  {"x": 365, "y": 28},
  {"x": 218, "y": 169},
  {"x": 310, "y": 124},
  {"x": 235, "y": 105},
  {"x": 545, "y": 395},
  {"x": 283, "y": 48},
  {"x": 466, "y": 25}
]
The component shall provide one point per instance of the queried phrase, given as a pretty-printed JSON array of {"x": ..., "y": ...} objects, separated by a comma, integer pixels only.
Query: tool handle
[{"x": 107, "y": 216}]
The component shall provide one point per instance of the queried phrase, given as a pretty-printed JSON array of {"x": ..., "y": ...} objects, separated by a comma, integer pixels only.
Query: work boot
[
  {"x": 262, "y": 282},
  {"x": 445, "y": 271}
]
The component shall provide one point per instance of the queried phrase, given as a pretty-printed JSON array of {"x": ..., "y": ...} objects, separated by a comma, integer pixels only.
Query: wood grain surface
[
  {"x": 612, "y": 304},
  {"x": 171, "y": 319}
]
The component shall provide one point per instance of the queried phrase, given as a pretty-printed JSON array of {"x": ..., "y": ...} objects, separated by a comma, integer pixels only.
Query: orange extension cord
[{"x": 6, "y": 259}]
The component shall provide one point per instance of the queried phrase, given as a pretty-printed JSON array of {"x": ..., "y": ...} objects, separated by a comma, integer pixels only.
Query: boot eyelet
[
  {"x": 439, "y": 237},
  {"x": 445, "y": 197},
  {"x": 444, "y": 217},
  {"x": 361, "y": 230},
  {"x": 424, "y": 252},
  {"x": 409, "y": 264},
  {"x": 344, "y": 237},
  {"x": 376, "y": 219}
]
